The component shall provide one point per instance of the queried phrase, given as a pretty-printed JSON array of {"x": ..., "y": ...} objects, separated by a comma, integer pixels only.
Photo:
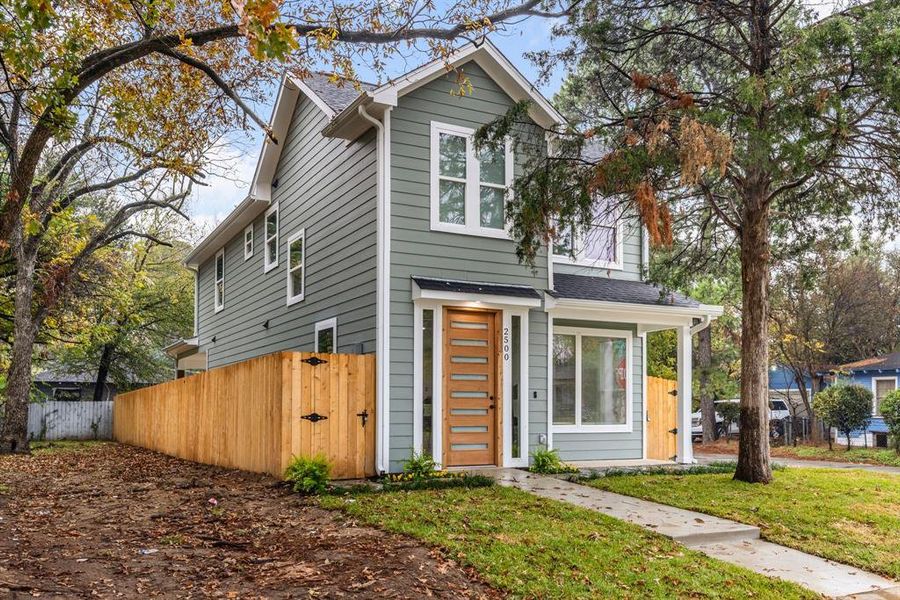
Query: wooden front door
[
  {"x": 471, "y": 400},
  {"x": 662, "y": 418}
]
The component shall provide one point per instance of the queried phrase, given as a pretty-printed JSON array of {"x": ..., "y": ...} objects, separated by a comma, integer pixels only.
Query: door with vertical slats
[
  {"x": 662, "y": 418},
  {"x": 470, "y": 388}
]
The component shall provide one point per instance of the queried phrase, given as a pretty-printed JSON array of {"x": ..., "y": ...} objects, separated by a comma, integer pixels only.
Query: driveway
[{"x": 114, "y": 521}]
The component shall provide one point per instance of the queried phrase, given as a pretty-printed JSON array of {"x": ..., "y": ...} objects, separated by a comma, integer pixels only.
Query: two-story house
[{"x": 373, "y": 225}]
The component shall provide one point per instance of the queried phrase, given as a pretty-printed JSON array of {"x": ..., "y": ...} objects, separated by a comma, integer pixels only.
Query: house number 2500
[{"x": 506, "y": 343}]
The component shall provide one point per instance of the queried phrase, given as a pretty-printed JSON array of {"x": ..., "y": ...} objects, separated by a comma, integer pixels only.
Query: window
[
  {"x": 467, "y": 189},
  {"x": 600, "y": 247},
  {"x": 326, "y": 335},
  {"x": 881, "y": 386},
  {"x": 67, "y": 394},
  {"x": 515, "y": 348},
  {"x": 220, "y": 280},
  {"x": 248, "y": 241},
  {"x": 591, "y": 380},
  {"x": 271, "y": 233},
  {"x": 427, "y": 381},
  {"x": 296, "y": 267}
]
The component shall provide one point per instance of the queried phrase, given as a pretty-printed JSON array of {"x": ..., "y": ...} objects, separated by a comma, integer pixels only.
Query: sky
[{"x": 235, "y": 157}]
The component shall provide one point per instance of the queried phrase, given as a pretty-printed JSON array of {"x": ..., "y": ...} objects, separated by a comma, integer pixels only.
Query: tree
[
  {"x": 847, "y": 408},
  {"x": 890, "y": 410},
  {"x": 720, "y": 123},
  {"x": 116, "y": 102},
  {"x": 832, "y": 305}
]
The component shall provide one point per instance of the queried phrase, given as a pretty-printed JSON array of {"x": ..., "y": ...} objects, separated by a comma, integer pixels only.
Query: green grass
[
  {"x": 537, "y": 548},
  {"x": 64, "y": 446},
  {"x": 850, "y": 516},
  {"x": 4, "y": 489},
  {"x": 872, "y": 456}
]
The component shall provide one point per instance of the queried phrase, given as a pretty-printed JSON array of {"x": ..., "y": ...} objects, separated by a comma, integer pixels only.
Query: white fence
[{"x": 70, "y": 420}]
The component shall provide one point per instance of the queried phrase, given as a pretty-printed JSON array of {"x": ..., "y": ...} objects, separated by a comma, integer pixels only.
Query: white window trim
[
  {"x": 322, "y": 325},
  {"x": 301, "y": 235},
  {"x": 219, "y": 306},
  {"x": 268, "y": 266},
  {"x": 579, "y": 259},
  {"x": 473, "y": 181},
  {"x": 875, "y": 392},
  {"x": 578, "y": 332},
  {"x": 249, "y": 229}
]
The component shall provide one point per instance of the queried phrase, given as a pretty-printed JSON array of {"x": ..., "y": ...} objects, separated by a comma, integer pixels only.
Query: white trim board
[{"x": 875, "y": 379}]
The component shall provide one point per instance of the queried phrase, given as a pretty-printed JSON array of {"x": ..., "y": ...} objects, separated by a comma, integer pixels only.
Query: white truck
[{"x": 778, "y": 410}]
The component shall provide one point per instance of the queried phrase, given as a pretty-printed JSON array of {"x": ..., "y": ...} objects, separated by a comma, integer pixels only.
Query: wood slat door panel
[
  {"x": 470, "y": 396},
  {"x": 662, "y": 415}
]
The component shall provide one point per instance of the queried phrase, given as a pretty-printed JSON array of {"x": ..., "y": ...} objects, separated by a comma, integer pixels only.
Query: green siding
[
  {"x": 328, "y": 188},
  {"x": 416, "y": 250}
]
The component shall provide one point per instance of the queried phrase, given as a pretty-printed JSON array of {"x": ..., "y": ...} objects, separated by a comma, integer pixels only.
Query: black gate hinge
[
  {"x": 675, "y": 431},
  {"x": 314, "y": 361},
  {"x": 314, "y": 417}
]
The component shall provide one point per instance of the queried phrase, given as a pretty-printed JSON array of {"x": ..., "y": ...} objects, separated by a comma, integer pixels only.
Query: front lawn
[
  {"x": 537, "y": 548},
  {"x": 850, "y": 516},
  {"x": 869, "y": 456}
]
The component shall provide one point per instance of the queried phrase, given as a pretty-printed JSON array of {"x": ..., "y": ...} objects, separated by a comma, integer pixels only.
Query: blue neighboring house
[
  {"x": 881, "y": 375},
  {"x": 783, "y": 386}
]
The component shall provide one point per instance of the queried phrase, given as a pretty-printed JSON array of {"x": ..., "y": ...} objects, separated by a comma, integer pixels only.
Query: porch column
[{"x": 684, "y": 450}]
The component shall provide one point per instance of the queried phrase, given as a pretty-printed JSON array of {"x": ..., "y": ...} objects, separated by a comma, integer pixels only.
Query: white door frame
[{"x": 506, "y": 311}]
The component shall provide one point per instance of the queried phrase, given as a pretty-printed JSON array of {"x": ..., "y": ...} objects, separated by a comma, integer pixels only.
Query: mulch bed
[{"x": 113, "y": 521}]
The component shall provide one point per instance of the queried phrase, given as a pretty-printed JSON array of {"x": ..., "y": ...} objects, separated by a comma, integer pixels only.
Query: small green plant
[
  {"x": 173, "y": 539},
  {"x": 847, "y": 408},
  {"x": 890, "y": 410},
  {"x": 308, "y": 475},
  {"x": 420, "y": 466},
  {"x": 547, "y": 462}
]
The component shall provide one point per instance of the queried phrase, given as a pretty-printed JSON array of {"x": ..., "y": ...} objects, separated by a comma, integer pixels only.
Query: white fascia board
[
  {"x": 181, "y": 346},
  {"x": 626, "y": 312},
  {"x": 484, "y": 299},
  {"x": 316, "y": 99}
]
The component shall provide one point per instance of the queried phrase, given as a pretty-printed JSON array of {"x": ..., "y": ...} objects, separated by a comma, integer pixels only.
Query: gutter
[
  {"x": 212, "y": 237},
  {"x": 383, "y": 276},
  {"x": 705, "y": 321}
]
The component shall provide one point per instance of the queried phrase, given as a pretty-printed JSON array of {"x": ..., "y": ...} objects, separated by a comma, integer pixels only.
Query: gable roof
[
  {"x": 604, "y": 289},
  {"x": 341, "y": 105},
  {"x": 885, "y": 361}
]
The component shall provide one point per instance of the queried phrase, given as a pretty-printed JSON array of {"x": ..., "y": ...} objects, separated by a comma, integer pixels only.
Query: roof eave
[
  {"x": 242, "y": 215},
  {"x": 702, "y": 310}
]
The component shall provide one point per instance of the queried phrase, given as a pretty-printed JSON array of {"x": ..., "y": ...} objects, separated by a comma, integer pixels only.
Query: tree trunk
[
  {"x": 707, "y": 407},
  {"x": 102, "y": 372},
  {"x": 14, "y": 430},
  {"x": 753, "y": 453}
]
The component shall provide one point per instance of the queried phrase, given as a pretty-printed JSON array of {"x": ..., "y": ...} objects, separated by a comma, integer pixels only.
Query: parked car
[{"x": 778, "y": 410}]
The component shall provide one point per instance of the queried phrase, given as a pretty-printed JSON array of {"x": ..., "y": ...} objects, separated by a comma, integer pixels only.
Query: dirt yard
[{"x": 113, "y": 521}]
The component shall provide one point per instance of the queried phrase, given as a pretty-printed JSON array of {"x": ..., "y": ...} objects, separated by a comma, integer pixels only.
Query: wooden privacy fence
[
  {"x": 255, "y": 415},
  {"x": 662, "y": 418}
]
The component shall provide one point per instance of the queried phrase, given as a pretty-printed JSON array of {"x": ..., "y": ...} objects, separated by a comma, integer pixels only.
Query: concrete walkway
[
  {"x": 725, "y": 540},
  {"x": 705, "y": 459}
]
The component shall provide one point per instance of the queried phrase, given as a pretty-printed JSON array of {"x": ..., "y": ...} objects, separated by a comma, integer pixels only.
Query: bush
[
  {"x": 308, "y": 475},
  {"x": 847, "y": 408},
  {"x": 420, "y": 466},
  {"x": 547, "y": 462},
  {"x": 890, "y": 410}
]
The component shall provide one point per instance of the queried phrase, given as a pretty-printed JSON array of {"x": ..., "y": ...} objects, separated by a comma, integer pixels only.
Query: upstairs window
[
  {"x": 271, "y": 233},
  {"x": 220, "y": 280},
  {"x": 248, "y": 241},
  {"x": 296, "y": 267},
  {"x": 326, "y": 335},
  {"x": 468, "y": 189},
  {"x": 600, "y": 247}
]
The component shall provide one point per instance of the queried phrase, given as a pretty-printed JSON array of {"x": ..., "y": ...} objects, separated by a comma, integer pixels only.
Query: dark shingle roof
[
  {"x": 885, "y": 361},
  {"x": 338, "y": 96},
  {"x": 476, "y": 287},
  {"x": 581, "y": 287}
]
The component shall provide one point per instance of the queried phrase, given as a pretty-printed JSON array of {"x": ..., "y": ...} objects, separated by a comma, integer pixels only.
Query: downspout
[{"x": 382, "y": 285}]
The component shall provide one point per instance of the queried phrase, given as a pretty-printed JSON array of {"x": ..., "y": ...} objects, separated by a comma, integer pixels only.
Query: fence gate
[
  {"x": 337, "y": 412},
  {"x": 662, "y": 418}
]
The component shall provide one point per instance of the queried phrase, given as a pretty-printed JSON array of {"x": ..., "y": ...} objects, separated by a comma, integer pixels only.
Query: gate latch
[
  {"x": 674, "y": 430},
  {"x": 314, "y": 417},
  {"x": 365, "y": 416},
  {"x": 314, "y": 361}
]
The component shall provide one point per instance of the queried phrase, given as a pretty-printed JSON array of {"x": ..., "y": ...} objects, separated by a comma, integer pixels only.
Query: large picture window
[
  {"x": 468, "y": 189},
  {"x": 592, "y": 380}
]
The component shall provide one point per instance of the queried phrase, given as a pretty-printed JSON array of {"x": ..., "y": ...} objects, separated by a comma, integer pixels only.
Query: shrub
[
  {"x": 847, "y": 408},
  {"x": 890, "y": 410},
  {"x": 547, "y": 461},
  {"x": 440, "y": 482},
  {"x": 420, "y": 466},
  {"x": 308, "y": 475}
]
